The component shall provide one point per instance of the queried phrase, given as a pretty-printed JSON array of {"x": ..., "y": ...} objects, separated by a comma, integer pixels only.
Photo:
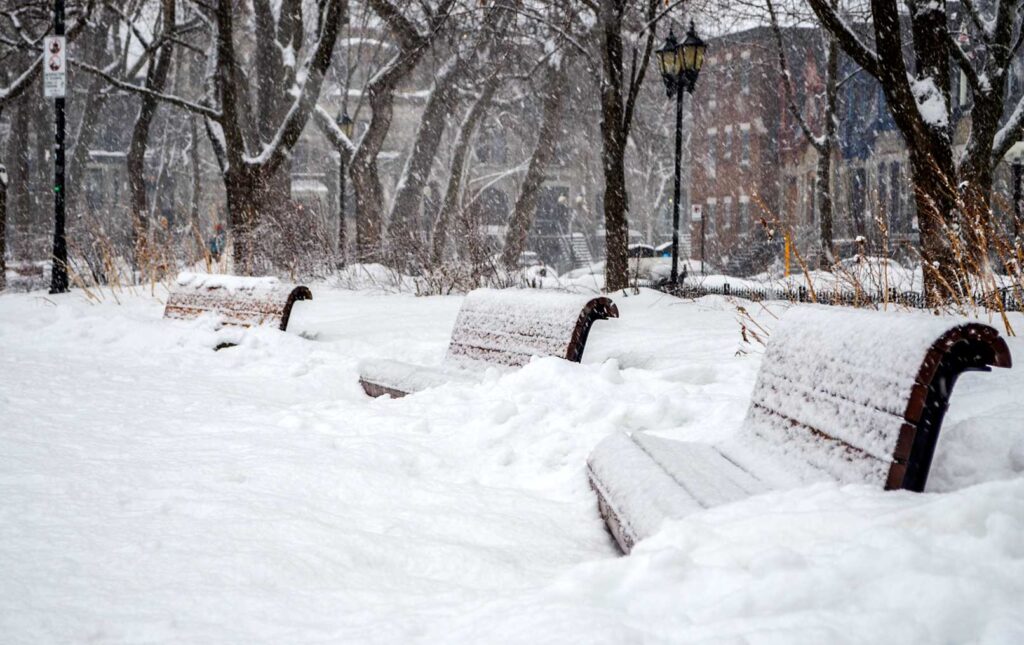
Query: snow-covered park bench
[
  {"x": 502, "y": 328},
  {"x": 842, "y": 395},
  {"x": 239, "y": 301}
]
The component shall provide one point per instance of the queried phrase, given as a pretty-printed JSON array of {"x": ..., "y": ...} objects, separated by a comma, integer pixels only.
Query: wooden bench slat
[
  {"x": 635, "y": 495},
  {"x": 864, "y": 427},
  {"x": 701, "y": 469}
]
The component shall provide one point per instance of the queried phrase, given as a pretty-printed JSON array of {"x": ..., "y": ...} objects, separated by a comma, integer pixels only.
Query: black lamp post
[
  {"x": 59, "y": 270},
  {"x": 680, "y": 65},
  {"x": 345, "y": 124}
]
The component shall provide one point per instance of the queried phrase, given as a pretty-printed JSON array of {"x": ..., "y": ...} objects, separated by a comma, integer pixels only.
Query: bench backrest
[
  {"x": 508, "y": 326},
  {"x": 237, "y": 300},
  {"x": 861, "y": 394}
]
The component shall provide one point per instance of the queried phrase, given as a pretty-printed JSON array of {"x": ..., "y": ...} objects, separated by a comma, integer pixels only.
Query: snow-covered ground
[{"x": 152, "y": 490}]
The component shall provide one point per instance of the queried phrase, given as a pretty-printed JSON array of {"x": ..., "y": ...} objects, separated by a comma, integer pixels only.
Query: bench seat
[
  {"x": 496, "y": 328},
  {"x": 842, "y": 395},
  {"x": 396, "y": 378}
]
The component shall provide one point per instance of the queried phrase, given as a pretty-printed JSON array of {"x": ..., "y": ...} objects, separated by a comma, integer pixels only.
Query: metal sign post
[{"x": 55, "y": 86}]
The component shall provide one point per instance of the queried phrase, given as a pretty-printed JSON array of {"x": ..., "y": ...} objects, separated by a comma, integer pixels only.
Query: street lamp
[
  {"x": 680, "y": 65},
  {"x": 345, "y": 124}
]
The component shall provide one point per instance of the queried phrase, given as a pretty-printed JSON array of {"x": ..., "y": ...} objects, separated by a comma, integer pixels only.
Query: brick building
[
  {"x": 741, "y": 140},
  {"x": 753, "y": 172}
]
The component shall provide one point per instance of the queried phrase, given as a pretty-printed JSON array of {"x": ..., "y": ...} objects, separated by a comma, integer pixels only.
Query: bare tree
[
  {"x": 413, "y": 43},
  {"x": 449, "y": 204},
  {"x": 952, "y": 191},
  {"x": 441, "y": 101},
  {"x": 156, "y": 79},
  {"x": 543, "y": 152},
  {"x": 619, "y": 94}
]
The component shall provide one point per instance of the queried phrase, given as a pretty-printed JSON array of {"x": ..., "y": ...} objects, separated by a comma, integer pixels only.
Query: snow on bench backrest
[
  {"x": 238, "y": 300},
  {"x": 508, "y": 326},
  {"x": 861, "y": 394}
]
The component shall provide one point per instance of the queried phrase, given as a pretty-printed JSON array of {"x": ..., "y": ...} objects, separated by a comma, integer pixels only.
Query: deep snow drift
[{"x": 154, "y": 490}]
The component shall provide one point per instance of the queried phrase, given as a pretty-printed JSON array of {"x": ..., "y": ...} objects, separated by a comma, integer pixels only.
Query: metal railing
[{"x": 1006, "y": 299}]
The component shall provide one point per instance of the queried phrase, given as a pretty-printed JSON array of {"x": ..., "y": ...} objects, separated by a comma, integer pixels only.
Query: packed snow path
[{"x": 154, "y": 490}]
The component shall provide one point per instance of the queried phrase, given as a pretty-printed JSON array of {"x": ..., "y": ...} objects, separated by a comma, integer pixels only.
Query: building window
[
  {"x": 727, "y": 144},
  {"x": 744, "y": 217},
  {"x": 745, "y": 147},
  {"x": 745, "y": 77}
]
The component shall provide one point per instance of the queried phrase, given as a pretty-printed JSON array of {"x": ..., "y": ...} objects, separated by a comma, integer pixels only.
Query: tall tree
[
  {"x": 413, "y": 43},
  {"x": 403, "y": 238},
  {"x": 619, "y": 94},
  {"x": 543, "y": 152},
  {"x": 156, "y": 79},
  {"x": 450, "y": 203},
  {"x": 249, "y": 175},
  {"x": 952, "y": 191}
]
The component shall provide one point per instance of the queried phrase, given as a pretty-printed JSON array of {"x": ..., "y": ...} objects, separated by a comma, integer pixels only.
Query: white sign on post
[
  {"x": 696, "y": 214},
  {"x": 54, "y": 66}
]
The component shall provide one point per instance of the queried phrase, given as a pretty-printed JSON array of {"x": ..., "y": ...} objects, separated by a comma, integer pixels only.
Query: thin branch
[
  {"x": 788, "y": 82},
  {"x": 177, "y": 101},
  {"x": 855, "y": 48}
]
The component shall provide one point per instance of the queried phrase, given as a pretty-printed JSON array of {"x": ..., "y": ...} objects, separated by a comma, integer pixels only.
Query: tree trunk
[
  {"x": 403, "y": 237},
  {"x": 156, "y": 79},
  {"x": 369, "y": 194},
  {"x": 935, "y": 196},
  {"x": 254, "y": 184},
  {"x": 826, "y": 252},
  {"x": 616, "y": 214},
  {"x": 197, "y": 186},
  {"x": 613, "y": 137},
  {"x": 526, "y": 204},
  {"x": 20, "y": 177},
  {"x": 91, "y": 111},
  {"x": 439, "y": 235},
  {"x": 240, "y": 183},
  {"x": 403, "y": 240}
]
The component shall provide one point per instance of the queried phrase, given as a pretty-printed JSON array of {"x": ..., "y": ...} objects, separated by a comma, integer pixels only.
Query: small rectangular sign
[
  {"x": 54, "y": 66},
  {"x": 697, "y": 212}
]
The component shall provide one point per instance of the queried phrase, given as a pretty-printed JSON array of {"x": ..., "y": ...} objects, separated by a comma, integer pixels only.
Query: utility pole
[{"x": 54, "y": 84}]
